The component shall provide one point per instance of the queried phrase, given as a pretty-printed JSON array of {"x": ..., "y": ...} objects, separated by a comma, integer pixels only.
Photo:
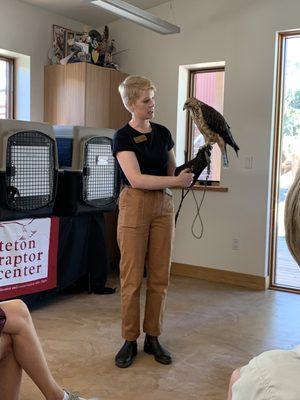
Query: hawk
[{"x": 212, "y": 125}]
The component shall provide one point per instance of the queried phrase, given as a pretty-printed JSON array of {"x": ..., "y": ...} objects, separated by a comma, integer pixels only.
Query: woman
[
  {"x": 20, "y": 349},
  {"x": 144, "y": 151}
]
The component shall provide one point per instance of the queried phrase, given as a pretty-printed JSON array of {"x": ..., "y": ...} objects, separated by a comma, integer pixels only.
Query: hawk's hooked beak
[{"x": 184, "y": 107}]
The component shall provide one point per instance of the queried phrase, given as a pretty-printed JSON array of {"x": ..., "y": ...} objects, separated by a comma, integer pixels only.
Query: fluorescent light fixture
[{"x": 135, "y": 14}]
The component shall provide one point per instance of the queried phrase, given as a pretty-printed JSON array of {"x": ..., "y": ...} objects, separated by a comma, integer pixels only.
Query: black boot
[
  {"x": 103, "y": 290},
  {"x": 126, "y": 354},
  {"x": 152, "y": 346}
]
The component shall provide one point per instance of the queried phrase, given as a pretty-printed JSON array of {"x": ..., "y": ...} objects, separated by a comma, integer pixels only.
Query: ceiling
[{"x": 85, "y": 12}]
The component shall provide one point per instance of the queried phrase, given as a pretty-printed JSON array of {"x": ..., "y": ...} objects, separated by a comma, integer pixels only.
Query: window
[
  {"x": 206, "y": 85},
  {"x": 6, "y": 87},
  {"x": 285, "y": 273}
]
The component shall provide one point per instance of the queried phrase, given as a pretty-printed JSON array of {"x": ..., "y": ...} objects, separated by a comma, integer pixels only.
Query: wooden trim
[
  {"x": 191, "y": 93},
  {"x": 85, "y": 97},
  {"x": 189, "y": 124},
  {"x": 208, "y": 188},
  {"x": 11, "y": 87},
  {"x": 14, "y": 103},
  {"x": 221, "y": 276},
  {"x": 284, "y": 289},
  {"x": 290, "y": 33},
  {"x": 12, "y": 94},
  {"x": 275, "y": 169},
  {"x": 6, "y": 58},
  {"x": 208, "y": 69},
  {"x": 282, "y": 36}
]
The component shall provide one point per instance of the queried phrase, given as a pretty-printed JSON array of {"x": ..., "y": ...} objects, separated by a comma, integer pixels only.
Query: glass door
[{"x": 285, "y": 273}]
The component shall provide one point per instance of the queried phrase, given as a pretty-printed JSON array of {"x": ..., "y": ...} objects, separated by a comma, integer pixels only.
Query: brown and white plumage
[{"x": 212, "y": 125}]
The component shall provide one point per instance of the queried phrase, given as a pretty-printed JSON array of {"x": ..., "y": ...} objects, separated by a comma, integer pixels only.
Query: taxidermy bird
[
  {"x": 197, "y": 164},
  {"x": 212, "y": 125}
]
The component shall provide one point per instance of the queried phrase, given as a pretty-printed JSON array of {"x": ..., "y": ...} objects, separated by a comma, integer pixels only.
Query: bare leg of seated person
[
  {"x": 10, "y": 371},
  {"x": 20, "y": 349},
  {"x": 234, "y": 377}
]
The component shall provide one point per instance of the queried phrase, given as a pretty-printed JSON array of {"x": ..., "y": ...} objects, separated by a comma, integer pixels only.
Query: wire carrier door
[
  {"x": 30, "y": 170},
  {"x": 100, "y": 172}
]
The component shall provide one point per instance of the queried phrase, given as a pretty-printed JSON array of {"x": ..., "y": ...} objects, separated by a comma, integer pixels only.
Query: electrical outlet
[{"x": 235, "y": 244}]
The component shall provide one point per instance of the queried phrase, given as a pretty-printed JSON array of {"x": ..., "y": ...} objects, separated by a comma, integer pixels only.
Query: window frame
[
  {"x": 11, "y": 88},
  {"x": 275, "y": 172},
  {"x": 189, "y": 125}
]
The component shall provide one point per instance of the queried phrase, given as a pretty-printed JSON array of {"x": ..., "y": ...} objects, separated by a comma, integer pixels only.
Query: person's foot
[
  {"x": 103, "y": 290},
  {"x": 152, "y": 346},
  {"x": 71, "y": 396},
  {"x": 126, "y": 354}
]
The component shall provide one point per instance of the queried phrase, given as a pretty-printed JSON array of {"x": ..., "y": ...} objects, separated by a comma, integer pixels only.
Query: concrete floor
[{"x": 209, "y": 328}]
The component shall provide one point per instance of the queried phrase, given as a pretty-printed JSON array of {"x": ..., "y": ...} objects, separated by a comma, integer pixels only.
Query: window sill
[{"x": 214, "y": 188}]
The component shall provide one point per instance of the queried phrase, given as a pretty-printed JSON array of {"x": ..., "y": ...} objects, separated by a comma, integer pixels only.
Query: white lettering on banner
[{"x": 24, "y": 248}]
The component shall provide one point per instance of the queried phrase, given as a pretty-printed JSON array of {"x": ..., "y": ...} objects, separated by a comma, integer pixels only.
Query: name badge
[{"x": 140, "y": 138}]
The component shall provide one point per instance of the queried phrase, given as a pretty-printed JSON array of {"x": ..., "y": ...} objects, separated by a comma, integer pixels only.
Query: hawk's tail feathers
[
  {"x": 225, "y": 159},
  {"x": 236, "y": 149}
]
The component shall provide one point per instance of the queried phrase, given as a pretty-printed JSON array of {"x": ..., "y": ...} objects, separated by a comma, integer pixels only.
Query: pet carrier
[
  {"x": 28, "y": 169},
  {"x": 90, "y": 178}
]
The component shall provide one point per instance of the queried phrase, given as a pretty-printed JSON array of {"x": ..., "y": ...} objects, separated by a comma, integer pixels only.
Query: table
[{"x": 75, "y": 247}]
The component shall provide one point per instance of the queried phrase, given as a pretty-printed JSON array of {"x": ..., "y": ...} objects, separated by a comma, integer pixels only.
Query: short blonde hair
[
  {"x": 130, "y": 89},
  {"x": 292, "y": 218}
]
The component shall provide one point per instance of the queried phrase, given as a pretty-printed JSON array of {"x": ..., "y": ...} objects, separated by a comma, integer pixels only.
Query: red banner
[{"x": 28, "y": 256}]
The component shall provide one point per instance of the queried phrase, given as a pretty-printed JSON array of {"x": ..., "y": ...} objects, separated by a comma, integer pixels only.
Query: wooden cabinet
[
  {"x": 86, "y": 95},
  {"x": 83, "y": 94},
  {"x": 118, "y": 113}
]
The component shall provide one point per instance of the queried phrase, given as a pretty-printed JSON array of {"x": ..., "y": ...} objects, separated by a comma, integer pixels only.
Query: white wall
[
  {"x": 27, "y": 30},
  {"x": 241, "y": 33}
]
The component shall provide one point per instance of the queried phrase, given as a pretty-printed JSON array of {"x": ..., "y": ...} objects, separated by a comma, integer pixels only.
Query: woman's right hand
[{"x": 185, "y": 178}]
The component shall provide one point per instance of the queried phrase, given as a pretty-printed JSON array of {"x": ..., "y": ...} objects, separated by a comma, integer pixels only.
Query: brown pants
[{"x": 145, "y": 232}]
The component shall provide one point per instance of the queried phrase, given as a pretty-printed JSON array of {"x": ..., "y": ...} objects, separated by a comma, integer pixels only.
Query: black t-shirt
[{"x": 151, "y": 149}]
